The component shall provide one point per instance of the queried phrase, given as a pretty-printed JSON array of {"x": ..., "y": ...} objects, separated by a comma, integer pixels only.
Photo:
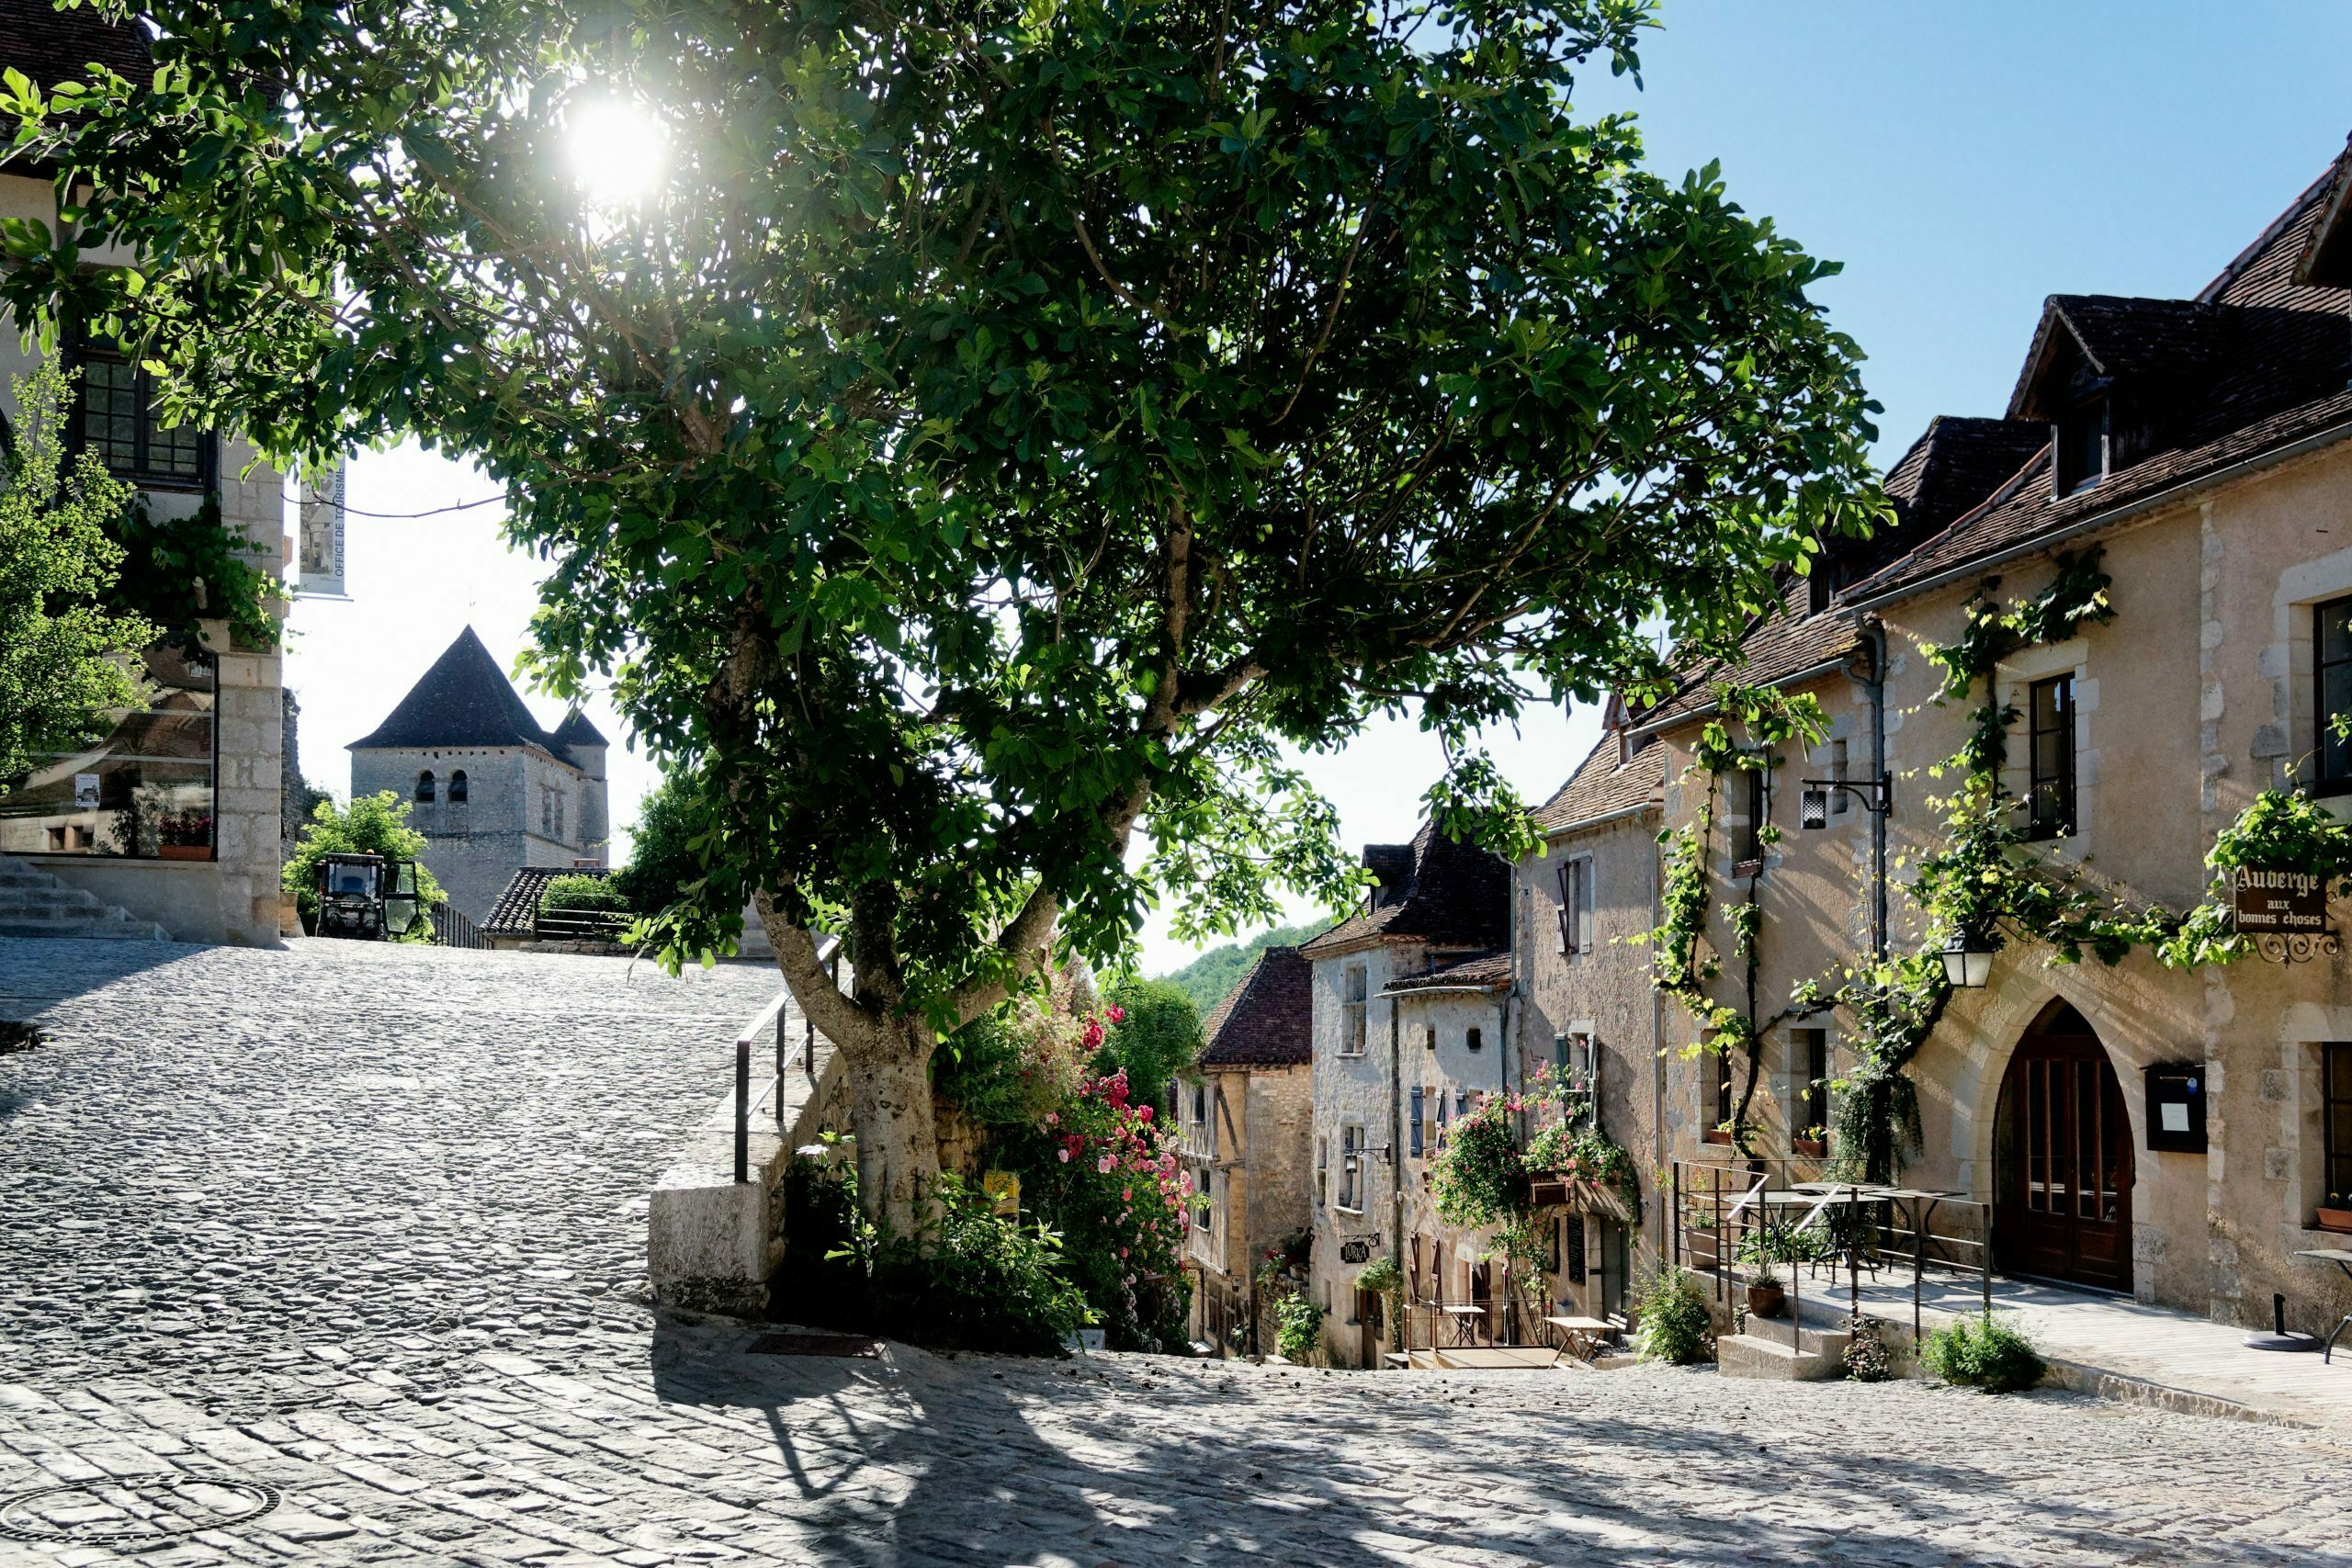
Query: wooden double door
[{"x": 2063, "y": 1160}]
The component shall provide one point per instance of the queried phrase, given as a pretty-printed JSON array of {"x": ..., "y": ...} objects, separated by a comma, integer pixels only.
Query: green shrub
[
  {"x": 583, "y": 893},
  {"x": 1298, "y": 1325},
  {"x": 1674, "y": 1325},
  {"x": 662, "y": 860},
  {"x": 1992, "y": 1356},
  {"x": 977, "y": 1281}
]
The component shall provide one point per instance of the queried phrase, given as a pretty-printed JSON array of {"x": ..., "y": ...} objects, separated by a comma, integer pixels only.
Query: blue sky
[{"x": 1962, "y": 161}]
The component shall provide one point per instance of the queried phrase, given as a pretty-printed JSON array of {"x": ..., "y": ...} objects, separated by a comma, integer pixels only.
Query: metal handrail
[{"x": 774, "y": 1019}]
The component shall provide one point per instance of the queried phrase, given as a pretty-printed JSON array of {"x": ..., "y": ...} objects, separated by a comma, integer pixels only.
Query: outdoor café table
[
  {"x": 1466, "y": 1319},
  {"x": 1583, "y": 1335},
  {"x": 2343, "y": 1260}
]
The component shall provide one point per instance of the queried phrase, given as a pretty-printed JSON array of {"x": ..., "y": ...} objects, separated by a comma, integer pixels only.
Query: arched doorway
[{"x": 2062, "y": 1189}]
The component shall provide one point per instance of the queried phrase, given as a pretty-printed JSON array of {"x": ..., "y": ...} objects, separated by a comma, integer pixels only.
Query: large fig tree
[{"x": 1005, "y": 425}]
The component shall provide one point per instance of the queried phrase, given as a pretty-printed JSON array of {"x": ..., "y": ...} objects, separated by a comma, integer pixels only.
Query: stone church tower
[{"x": 490, "y": 791}]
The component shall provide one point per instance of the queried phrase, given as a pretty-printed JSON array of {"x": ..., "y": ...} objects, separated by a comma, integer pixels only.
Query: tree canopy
[{"x": 1004, "y": 427}]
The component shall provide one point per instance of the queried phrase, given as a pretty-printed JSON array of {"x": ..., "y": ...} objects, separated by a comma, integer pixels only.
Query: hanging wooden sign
[
  {"x": 2283, "y": 901},
  {"x": 2285, "y": 913}
]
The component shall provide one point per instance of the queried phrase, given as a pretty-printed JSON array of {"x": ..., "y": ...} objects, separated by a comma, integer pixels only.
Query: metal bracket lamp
[{"x": 1877, "y": 796}]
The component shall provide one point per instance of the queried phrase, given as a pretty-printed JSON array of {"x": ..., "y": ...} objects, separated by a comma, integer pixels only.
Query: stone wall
[{"x": 1352, "y": 1089}]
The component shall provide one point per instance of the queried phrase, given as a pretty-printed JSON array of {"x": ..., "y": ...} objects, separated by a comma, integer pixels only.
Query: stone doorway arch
[{"x": 2063, "y": 1167}]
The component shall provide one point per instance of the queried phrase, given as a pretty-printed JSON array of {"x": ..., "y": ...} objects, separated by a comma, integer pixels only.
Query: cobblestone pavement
[{"x": 363, "y": 1225}]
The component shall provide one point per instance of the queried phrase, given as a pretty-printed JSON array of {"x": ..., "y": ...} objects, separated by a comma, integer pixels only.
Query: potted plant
[
  {"x": 1766, "y": 1297},
  {"x": 2337, "y": 1218},
  {"x": 1812, "y": 1142},
  {"x": 184, "y": 835}
]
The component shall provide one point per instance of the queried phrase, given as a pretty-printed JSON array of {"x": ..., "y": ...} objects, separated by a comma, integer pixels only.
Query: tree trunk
[{"x": 897, "y": 1142}]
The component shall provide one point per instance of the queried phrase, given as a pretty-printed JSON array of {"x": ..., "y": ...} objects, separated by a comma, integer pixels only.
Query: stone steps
[
  {"x": 1778, "y": 1350},
  {"x": 35, "y": 903}
]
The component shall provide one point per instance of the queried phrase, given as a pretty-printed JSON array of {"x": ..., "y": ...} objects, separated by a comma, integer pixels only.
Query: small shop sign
[
  {"x": 2285, "y": 913},
  {"x": 2286, "y": 902}
]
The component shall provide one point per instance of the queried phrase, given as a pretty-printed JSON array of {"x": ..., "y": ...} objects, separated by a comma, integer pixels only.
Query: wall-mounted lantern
[{"x": 1968, "y": 960}]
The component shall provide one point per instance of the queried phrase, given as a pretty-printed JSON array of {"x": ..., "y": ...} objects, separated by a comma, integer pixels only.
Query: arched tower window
[
  {"x": 458, "y": 787},
  {"x": 425, "y": 785}
]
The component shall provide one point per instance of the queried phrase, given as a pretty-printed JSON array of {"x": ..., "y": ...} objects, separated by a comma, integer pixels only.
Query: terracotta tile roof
[
  {"x": 2275, "y": 373},
  {"x": 1433, "y": 891},
  {"x": 1779, "y": 645},
  {"x": 53, "y": 46},
  {"x": 1488, "y": 970},
  {"x": 1268, "y": 1019},
  {"x": 1602, "y": 787},
  {"x": 1954, "y": 465},
  {"x": 514, "y": 913}
]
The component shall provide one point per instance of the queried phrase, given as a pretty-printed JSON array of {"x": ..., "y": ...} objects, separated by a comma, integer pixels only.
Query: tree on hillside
[
  {"x": 65, "y": 653},
  {"x": 1156, "y": 1036},
  {"x": 999, "y": 428},
  {"x": 1208, "y": 979}
]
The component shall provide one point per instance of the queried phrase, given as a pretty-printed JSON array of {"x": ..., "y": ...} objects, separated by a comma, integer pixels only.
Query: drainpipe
[
  {"x": 1658, "y": 1069},
  {"x": 1396, "y": 1140},
  {"x": 1875, "y": 634}
]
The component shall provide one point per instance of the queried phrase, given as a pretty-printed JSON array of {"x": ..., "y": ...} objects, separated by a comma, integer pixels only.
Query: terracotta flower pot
[
  {"x": 2336, "y": 1220},
  {"x": 184, "y": 851},
  {"x": 1767, "y": 1299}
]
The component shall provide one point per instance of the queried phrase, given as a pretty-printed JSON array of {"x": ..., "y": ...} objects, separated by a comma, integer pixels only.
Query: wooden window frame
[
  {"x": 1811, "y": 1048},
  {"x": 2062, "y": 823},
  {"x": 81, "y": 354},
  {"x": 2323, "y": 781},
  {"x": 2334, "y": 1089},
  {"x": 1355, "y": 1009},
  {"x": 1748, "y": 844}
]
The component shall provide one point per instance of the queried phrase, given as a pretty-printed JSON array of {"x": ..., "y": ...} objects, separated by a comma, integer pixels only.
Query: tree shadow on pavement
[{"x": 1125, "y": 1460}]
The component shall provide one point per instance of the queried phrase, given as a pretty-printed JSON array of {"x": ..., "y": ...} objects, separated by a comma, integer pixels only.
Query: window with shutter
[{"x": 1417, "y": 1122}]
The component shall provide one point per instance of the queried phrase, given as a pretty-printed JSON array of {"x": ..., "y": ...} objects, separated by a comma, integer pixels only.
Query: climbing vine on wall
[{"x": 1749, "y": 723}]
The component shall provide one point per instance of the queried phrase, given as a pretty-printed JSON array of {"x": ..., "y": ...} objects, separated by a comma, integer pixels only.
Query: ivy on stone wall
[{"x": 1749, "y": 723}]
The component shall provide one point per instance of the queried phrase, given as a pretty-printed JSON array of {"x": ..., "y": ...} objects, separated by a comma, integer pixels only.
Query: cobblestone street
[{"x": 364, "y": 1226}]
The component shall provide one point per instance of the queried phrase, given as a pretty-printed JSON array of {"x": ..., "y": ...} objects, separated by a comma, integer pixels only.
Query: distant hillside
[{"x": 1207, "y": 979}]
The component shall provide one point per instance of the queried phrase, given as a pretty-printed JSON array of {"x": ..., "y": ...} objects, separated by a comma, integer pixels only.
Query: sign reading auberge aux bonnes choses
[{"x": 2285, "y": 902}]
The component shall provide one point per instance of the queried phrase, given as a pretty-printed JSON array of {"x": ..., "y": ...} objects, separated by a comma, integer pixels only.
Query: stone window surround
[
  {"x": 2296, "y": 1154},
  {"x": 1789, "y": 1089},
  {"x": 2014, "y": 680},
  {"x": 2289, "y": 661}
]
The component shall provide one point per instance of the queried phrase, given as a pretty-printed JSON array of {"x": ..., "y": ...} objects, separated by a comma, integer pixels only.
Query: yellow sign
[{"x": 1003, "y": 1190}]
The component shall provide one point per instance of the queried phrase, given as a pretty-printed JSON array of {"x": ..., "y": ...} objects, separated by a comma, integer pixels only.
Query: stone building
[
  {"x": 1246, "y": 1116},
  {"x": 490, "y": 789},
  {"x": 2168, "y": 1132},
  {"x": 174, "y": 817},
  {"x": 1586, "y": 1007},
  {"x": 1408, "y": 1008}
]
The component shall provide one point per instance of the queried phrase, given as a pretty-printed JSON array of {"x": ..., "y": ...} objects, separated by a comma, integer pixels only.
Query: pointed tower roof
[
  {"x": 464, "y": 700},
  {"x": 575, "y": 730}
]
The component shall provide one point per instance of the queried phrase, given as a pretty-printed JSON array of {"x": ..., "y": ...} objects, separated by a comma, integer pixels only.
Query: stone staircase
[
  {"x": 34, "y": 903},
  {"x": 1778, "y": 1351}
]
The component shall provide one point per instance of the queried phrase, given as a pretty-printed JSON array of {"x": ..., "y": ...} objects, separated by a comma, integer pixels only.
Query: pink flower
[
  {"x": 1094, "y": 1036},
  {"x": 1116, "y": 1015},
  {"x": 1065, "y": 1154},
  {"x": 1104, "y": 1164},
  {"x": 1127, "y": 1195},
  {"x": 1053, "y": 1118},
  {"x": 1143, "y": 1112}
]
